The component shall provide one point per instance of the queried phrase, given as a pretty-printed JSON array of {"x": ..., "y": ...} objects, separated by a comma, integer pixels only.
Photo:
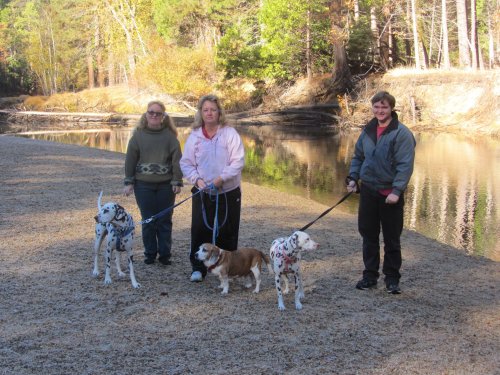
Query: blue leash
[{"x": 216, "y": 226}]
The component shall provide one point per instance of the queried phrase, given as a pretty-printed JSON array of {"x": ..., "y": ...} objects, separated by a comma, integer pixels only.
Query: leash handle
[{"x": 326, "y": 212}]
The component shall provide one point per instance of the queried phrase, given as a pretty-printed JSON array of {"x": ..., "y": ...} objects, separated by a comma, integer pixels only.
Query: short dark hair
[{"x": 384, "y": 96}]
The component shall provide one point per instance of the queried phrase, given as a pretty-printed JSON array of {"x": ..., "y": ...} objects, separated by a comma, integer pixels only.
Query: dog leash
[
  {"x": 216, "y": 226},
  {"x": 326, "y": 212},
  {"x": 164, "y": 212}
]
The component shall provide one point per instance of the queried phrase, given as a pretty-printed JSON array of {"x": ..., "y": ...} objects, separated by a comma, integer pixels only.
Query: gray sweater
[{"x": 153, "y": 156}]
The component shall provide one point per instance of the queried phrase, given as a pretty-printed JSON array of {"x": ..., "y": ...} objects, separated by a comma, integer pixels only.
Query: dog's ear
[
  {"x": 120, "y": 213},
  {"x": 294, "y": 238}
]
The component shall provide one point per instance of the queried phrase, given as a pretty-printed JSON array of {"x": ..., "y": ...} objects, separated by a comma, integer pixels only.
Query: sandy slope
[{"x": 56, "y": 319}]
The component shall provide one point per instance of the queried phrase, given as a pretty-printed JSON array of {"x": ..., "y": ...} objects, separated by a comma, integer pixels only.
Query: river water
[{"x": 453, "y": 196}]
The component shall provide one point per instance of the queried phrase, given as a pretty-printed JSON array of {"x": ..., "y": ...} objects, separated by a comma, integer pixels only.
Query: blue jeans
[{"x": 156, "y": 235}]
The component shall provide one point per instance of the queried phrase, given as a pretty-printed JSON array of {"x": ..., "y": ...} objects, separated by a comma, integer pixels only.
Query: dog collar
[
  {"x": 214, "y": 265},
  {"x": 288, "y": 260}
]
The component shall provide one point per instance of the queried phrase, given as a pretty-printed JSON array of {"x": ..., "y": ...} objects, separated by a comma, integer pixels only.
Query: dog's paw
[
  {"x": 298, "y": 306},
  {"x": 121, "y": 274},
  {"x": 224, "y": 292},
  {"x": 107, "y": 281},
  {"x": 281, "y": 307},
  {"x": 136, "y": 285},
  {"x": 95, "y": 273},
  {"x": 256, "y": 291}
]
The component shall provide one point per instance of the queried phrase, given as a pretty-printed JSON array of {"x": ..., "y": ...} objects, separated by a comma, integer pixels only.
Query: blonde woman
[
  {"x": 153, "y": 173},
  {"x": 213, "y": 156}
]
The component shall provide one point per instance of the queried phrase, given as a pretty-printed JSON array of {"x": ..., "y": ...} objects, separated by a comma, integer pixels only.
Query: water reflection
[{"x": 453, "y": 195}]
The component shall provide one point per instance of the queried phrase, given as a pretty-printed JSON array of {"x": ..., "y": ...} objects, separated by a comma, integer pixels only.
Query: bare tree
[
  {"x": 473, "y": 35},
  {"x": 444, "y": 33},
  {"x": 463, "y": 40},
  {"x": 491, "y": 38},
  {"x": 415, "y": 34}
]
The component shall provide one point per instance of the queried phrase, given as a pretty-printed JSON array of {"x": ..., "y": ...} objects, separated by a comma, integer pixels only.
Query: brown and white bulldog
[{"x": 238, "y": 263}]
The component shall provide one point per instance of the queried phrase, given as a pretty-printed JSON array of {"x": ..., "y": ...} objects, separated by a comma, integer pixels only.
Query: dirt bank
[
  {"x": 456, "y": 101},
  {"x": 56, "y": 319}
]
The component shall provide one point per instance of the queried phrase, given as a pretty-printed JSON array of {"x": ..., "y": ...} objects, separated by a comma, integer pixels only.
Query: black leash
[{"x": 327, "y": 211}]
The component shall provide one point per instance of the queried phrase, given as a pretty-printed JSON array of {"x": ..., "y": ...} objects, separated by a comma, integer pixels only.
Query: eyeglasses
[{"x": 153, "y": 113}]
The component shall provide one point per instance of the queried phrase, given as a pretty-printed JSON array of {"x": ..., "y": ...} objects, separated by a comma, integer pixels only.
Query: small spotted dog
[
  {"x": 285, "y": 257},
  {"x": 117, "y": 226}
]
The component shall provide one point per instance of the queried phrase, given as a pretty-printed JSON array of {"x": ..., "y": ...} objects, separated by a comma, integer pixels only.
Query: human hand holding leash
[{"x": 128, "y": 189}]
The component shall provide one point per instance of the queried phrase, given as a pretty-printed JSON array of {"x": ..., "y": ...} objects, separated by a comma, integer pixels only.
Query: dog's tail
[
  {"x": 267, "y": 260},
  {"x": 99, "y": 201}
]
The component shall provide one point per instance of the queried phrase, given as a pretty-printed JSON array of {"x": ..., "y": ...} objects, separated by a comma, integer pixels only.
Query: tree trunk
[
  {"x": 308, "y": 47},
  {"x": 356, "y": 10},
  {"x": 415, "y": 34},
  {"x": 111, "y": 69},
  {"x": 444, "y": 30},
  {"x": 473, "y": 35},
  {"x": 463, "y": 41},
  {"x": 491, "y": 38},
  {"x": 375, "y": 36},
  {"x": 341, "y": 77},
  {"x": 90, "y": 70}
]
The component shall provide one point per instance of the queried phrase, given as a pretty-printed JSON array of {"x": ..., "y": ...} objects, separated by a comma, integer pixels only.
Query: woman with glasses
[
  {"x": 153, "y": 173},
  {"x": 212, "y": 161}
]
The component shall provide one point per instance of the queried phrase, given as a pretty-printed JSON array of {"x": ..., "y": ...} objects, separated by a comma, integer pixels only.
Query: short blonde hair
[
  {"x": 198, "y": 119},
  {"x": 167, "y": 121}
]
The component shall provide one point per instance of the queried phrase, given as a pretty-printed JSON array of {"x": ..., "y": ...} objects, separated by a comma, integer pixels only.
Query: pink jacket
[{"x": 223, "y": 156}]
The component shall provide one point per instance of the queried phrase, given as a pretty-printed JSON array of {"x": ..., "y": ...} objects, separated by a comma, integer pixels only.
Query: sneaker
[
  {"x": 393, "y": 288},
  {"x": 149, "y": 260},
  {"x": 365, "y": 284},
  {"x": 196, "y": 277},
  {"x": 165, "y": 261}
]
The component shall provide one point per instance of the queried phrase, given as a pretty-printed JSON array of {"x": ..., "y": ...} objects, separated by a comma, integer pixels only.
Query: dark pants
[
  {"x": 156, "y": 235},
  {"x": 374, "y": 213},
  {"x": 229, "y": 210}
]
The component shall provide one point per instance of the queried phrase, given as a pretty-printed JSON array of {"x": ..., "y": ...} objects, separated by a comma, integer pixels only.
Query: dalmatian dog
[
  {"x": 117, "y": 226},
  {"x": 285, "y": 258}
]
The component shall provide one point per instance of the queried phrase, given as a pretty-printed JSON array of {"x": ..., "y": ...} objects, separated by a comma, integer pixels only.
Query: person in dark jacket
[{"x": 380, "y": 170}]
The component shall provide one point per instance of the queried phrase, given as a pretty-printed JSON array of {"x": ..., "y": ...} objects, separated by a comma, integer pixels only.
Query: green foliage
[
  {"x": 284, "y": 25},
  {"x": 360, "y": 48},
  {"x": 238, "y": 54}
]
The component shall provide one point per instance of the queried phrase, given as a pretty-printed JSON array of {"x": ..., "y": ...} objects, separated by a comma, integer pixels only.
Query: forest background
[{"x": 249, "y": 52}]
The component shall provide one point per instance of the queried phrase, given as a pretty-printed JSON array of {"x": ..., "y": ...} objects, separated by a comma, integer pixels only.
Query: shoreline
[
  {"x": 13, "y": 121},
  {"x": 58, "y": 319}
]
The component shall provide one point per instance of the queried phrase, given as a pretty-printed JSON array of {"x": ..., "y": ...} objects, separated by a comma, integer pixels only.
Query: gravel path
[{"x": 56, "y": 319}]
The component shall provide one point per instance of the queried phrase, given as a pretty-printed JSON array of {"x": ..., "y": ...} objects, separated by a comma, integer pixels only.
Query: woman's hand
[
  {"x": 218, "y": 182},
  {"x": 200, "y": 184},
  {"x": 128, "y": 189},
  {"x": 176, "y": 189}
]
